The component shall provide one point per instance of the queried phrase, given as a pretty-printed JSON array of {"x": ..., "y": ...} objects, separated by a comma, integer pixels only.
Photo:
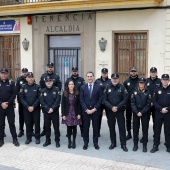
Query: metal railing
[{"x": 17, "y": 2}]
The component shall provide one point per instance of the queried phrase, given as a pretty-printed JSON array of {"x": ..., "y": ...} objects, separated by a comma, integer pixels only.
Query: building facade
[{"x": 134, "y": 33}]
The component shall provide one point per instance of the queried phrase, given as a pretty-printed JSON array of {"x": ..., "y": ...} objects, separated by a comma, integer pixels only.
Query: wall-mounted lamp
[
  {"x": 25, "y": 44},
  {"x": 102, "y": 44}
]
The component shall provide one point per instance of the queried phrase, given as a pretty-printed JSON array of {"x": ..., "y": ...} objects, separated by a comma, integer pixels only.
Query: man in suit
[{"x": 90, "y": 100}]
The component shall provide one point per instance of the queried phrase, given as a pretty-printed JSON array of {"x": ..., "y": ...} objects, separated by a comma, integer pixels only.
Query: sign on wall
[{"x": 9, "y": 26}]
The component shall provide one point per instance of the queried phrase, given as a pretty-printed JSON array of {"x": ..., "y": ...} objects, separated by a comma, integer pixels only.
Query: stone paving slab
[{"x": 37, "y": 157}]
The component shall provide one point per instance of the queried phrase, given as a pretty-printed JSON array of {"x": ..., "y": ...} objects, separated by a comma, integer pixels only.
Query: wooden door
[
  {"x": 10, "y": 55},
  {"x": 130, "y": 50}
]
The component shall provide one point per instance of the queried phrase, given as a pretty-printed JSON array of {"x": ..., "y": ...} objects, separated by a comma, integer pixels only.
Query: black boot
[
  {"x": 154, "y": 149},
  {"x": 69, "y": 142},
  {"x": 144, "y": 147},
  {"x": 124, "y": 148},
  {"x": 135, "y": 147},
  {"x": 20, "y": 134},
  {"x": 1, "y": 143},
  {"x": 15, "y": 142},
  {"x": 74, "y": 144},
  {"x": 129, "y": 136},
  {"x": 47, "y": 142}
]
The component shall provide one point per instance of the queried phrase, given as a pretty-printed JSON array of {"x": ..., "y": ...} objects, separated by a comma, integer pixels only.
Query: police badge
[
  {"x": 159, "y": 92},
  {"x": 128, "y": 84},
  {"x": 101, "y": 84},
  {"x": 148, "y": 84},
  {"x": 109, "y": 90},
  {"x": 135, "y": 93},
  {"x": 54, "y": 92},
  {"x": 21, "y": 82},
  {"x": 45, "y": 94},
  {"x": 25, "y": 90}
]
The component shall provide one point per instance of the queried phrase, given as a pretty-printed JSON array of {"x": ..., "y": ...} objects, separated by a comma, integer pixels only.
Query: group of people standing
[{"x": 83, "y": 103}]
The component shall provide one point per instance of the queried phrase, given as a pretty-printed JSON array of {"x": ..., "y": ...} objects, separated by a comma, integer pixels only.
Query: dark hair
[
  {"x": 90, "y": 72},
  {"x": 66, "y": 91}
]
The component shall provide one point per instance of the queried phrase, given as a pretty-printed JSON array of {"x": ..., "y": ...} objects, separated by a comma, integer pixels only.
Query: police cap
[
  {"x": 165, "y": 77},
  {"x": 4, "y": 70},
  {"x": 134, "y": 69},
  {"x": 50, "y": 65},
  {"x": 74, "y": 68},
  {"x": 153, "y": 69},
  {"x": 48, "y": 78},
  {"x": 115, "y": 76},
  {"x": 24, "y": 70},
  {"x": 104, "y": 70},
  {"x": 30, "y": 74},
  {"x": 142, "y": 80}
]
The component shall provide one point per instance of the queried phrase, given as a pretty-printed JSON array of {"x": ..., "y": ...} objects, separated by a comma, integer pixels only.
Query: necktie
[{"x": 90, "y": 89}]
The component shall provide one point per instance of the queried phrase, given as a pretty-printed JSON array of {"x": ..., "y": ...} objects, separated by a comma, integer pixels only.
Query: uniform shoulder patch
[{"x": 59, "y": 92}]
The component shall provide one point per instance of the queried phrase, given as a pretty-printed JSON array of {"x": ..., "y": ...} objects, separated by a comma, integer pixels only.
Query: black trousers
[
  {"x": 128, "y": 116},
  {"x": 30, "y": 119},
  {"x": 145, "y": 126},
  {"x": 54, "y": 118},
  {"x": 21, "y": 116},
  {"x": 9, "y": 112},
  {"x": 111, "y": 119},
  {"x": 159, "y": 120},
  {"x": 86, "y": 125}
]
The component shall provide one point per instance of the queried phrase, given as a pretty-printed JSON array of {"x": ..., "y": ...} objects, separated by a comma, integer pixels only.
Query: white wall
[
  {"x": 151, "y": 21},
  {"x": 26, "y": 56}
]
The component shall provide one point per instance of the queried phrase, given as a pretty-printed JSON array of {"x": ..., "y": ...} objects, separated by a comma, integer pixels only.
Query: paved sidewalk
[{"x": 34, "y": 156}]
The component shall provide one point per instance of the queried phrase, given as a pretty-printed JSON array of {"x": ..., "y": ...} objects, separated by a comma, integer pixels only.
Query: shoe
[
  {"x": 112, "y": 146},
  {"x": 4, "y": 135},
  {"x": 85, "y": 146},
  {"x": 129, "y": 136},
  {"x": 144, "y": 148},
  {"x": 141, "y": 141},
  {"x": 47, "y": 142},
  {"x": 15, "y": 142},
  {"x": 154, "y": 149},
  {"x": 42, "y": 133},
  {"x": 135, "y": 148},
  {"x": 1, "y": 143},
  {"x": 74, "y": 145},
  {"x": 168, "y": 150},
  {"x": 37, "y": 141},
  {"x": 96, "y": 146},
  {"x": 20, "y": 134},
  {"x": 57, "y": 144},
  {"x": 28, "y": 141},
  {"x": 124, "y": 148}
]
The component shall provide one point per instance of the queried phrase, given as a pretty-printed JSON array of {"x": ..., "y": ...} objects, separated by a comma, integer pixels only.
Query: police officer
[
  {"x": 21, "y": 81},
  {"x": 78, "y": 81},
  {"x": 153, "y": 82},
  {"x": 130, "y": 85},
  {"x": 29, "y": 98},
  {"x": 50, "y": 101},
  {"x": 161, "y": 101},
  {"x": 140, "y": 103},
  {"x": 115, "y": 98},
  {"x": 56, "y": 81},
  {"x": 104, "y": 82},
  {"x": 7, "y": 97}
]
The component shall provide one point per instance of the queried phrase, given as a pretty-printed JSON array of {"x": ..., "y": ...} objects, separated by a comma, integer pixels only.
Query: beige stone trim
[{"x": 74, "y": 5}]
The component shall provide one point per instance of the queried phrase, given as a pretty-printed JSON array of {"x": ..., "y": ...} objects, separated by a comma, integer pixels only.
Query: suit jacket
[
  {"x": 95, "y": 100},
  {"x": 66, "y": 104}
]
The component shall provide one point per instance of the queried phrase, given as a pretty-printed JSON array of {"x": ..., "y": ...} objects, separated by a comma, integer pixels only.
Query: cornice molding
[{"x": 74, "y": 5}]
